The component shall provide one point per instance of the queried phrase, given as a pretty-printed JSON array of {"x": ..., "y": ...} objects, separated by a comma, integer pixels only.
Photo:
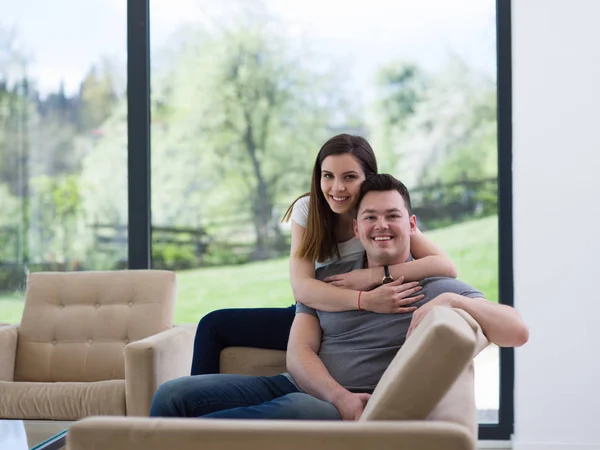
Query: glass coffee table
[{"x": 19, "y": 435}]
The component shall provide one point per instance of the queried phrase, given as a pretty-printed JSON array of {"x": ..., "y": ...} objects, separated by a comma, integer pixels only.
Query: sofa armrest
[
  {"x": 154, "y": 360},
  {"x": 8, "y": 351},
  {"x": 103, "y": 433}
]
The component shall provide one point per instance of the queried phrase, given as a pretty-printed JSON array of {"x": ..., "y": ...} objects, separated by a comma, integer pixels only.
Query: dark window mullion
[{"x": 138, "y": 134}]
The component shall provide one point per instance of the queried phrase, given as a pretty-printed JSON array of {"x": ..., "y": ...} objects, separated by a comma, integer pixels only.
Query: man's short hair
[{"x": 384, "y": 182}]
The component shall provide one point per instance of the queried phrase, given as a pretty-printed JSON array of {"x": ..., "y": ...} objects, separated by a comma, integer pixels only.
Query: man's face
[{"x": 384, "y": 227}]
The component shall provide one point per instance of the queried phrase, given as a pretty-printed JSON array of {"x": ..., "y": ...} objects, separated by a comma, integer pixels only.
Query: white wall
[{"x": 556, "y": 195}]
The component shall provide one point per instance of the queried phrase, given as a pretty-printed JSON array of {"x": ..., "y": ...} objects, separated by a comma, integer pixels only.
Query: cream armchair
[
  {"x": 92, "y": 343},
  {"x": 424, "y": 401}
]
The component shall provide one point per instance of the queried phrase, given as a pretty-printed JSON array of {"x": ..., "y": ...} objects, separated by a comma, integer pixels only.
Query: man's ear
[
  {"x": 355, "y": 224},
  {"x": 413, "y": 223}
]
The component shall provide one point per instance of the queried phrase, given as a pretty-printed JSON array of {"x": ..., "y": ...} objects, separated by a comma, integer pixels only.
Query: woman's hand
[
  {"x": 395, "y": 297},
  {"x": 357, "y": 280}
]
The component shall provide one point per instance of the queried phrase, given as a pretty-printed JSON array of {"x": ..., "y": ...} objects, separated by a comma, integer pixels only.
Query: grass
[
  {"x": 472, "y": 245},
  {"x": 11, "y": 307}
]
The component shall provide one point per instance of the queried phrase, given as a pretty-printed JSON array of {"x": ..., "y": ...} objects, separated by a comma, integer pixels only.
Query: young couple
[{"x": 356, "y": 261}]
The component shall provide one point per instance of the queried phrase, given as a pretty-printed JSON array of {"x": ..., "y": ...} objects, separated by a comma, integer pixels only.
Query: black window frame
[
  {"x": 504, "y": 429},
  {"x": 138, "y": 135},
  {"x": 139, "y": 176}
]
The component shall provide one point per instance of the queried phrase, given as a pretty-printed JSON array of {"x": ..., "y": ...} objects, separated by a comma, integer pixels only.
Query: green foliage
[
  {"x": 103, "y": 180},
  {"x": 10, "y": 219},
  {"x": 55, "y": 219},
  {"x": 441, "y": 205},
  {"x": 220, "y": 254},
  {"x": 97, "y": 96},
  {"x": 447, "y": 131},
  {"x": 12, "y": 278},
  {"x": 402, "y": 86},
  {"x": 173, "y": 257},
  {"x": 474, "y": 152},
  {"x": 15, "y": 111},
  {"x": 488, "y": 201}
]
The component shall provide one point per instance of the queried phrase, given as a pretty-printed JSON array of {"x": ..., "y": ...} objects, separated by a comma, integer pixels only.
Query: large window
[
  {"x": 245, "y": 93},
  {"x": 63, "y": 142}
]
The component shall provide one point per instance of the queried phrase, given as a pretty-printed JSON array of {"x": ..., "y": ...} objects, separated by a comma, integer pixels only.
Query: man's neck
[{"x": 374, "y": 262}]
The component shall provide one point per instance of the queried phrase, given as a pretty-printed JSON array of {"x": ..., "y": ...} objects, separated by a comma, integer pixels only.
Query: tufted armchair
[{"x": 92, "y": 343}]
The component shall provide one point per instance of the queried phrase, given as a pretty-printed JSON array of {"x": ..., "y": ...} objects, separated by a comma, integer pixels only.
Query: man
[{"x": 335, "y": 360}]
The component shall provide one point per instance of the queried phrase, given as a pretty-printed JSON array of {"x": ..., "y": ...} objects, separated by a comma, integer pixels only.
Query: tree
[
  {"x": 448, "y": 131},
  {"x": 14, "y": 113},
  {"x": 42, "y": 145},
  {"x": 247, "y": 113},
  {"x": 55, "y": 217},
  {"x": 401, "y": 87},
  {"x": 97, "y": 97}
]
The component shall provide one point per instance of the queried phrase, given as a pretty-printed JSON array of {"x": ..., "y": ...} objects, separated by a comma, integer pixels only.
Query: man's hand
[
  {"x": 419, "y": 314},
  {"x": 392, "y": 298},
  {"x": 351, "y": 406},
  {"x": 357, "y": 280}
]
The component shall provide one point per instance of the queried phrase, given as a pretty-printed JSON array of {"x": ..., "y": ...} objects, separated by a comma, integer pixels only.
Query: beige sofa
[
  {"x": 92, "y": 343},
  {"x": 424, "y": 401}
]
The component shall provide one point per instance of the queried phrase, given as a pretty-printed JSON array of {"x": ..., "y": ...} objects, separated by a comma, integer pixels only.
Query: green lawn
[
  {"x": 472, "y": 245},
  {"x": 11, "y": 307}
]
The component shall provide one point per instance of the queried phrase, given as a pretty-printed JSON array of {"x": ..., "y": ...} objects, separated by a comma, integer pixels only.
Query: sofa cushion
[
  {"x": 252, "y": 361},
  {"x": 61, "y": 401},
  {"x": 76, "y": 325},
  {"x": 425, "y": 368}
]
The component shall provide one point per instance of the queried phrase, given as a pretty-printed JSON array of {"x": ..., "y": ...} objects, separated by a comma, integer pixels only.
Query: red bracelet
[{"x": 359, "y": 308}]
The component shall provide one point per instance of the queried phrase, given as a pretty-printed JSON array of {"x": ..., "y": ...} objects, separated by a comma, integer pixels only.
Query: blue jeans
[
  {"x": 239, "y": 327},
  {"x": 225, "y": 396}
]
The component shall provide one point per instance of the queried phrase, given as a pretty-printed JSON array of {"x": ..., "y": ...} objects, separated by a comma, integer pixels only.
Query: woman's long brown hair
[{"x": 320, "y": 240}]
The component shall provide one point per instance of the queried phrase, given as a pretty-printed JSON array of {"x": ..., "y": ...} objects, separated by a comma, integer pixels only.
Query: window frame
[{"x": 139, "y": 176}]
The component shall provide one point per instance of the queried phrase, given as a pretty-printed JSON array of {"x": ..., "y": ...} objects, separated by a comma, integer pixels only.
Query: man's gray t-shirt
[{"x": 358, "y": 346}]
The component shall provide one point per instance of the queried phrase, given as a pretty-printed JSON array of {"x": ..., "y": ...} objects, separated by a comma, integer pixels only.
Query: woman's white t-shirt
[{"x": 349, "y": 250}]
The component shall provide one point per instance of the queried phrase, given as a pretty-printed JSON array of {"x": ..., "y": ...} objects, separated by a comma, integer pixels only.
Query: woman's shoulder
[
  {"x": 351, "y": 248},
  {"x": 300, "y": 211},
  {"x": 303, "y": 202}
]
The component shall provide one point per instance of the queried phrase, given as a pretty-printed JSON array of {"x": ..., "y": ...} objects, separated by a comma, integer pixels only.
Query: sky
[{"x": 63, "y": 38}]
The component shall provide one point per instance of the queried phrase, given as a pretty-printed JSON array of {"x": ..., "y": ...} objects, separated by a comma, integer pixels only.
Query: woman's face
[{"x": 341, "y": 177}]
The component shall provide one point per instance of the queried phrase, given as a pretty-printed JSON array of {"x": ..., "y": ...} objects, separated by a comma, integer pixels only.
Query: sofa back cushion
[
  {"x": 434, "y": 357},
  {"x": 252, "y": 361},
  {"x": 76, "y": 325}
]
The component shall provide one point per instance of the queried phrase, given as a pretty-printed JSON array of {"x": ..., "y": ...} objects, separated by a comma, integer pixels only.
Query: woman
[{"x": 322, "y": 232}]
